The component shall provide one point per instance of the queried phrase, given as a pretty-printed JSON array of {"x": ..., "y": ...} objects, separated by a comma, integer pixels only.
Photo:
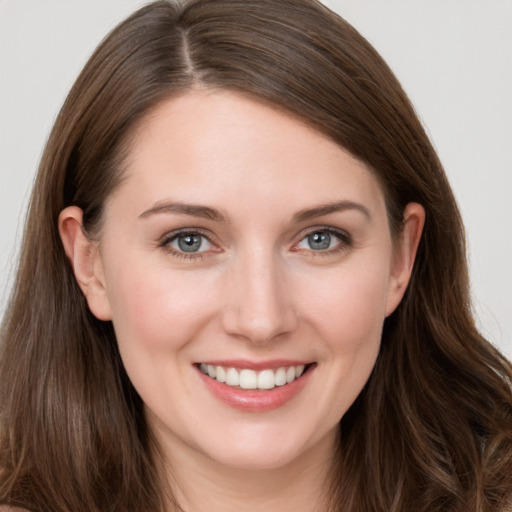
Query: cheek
[
  {"x": 155, "y": 314},
  {"x": 350, "y": 310},
  {"x": 348, "y": 318},
  {"x": 156, "y": 308}
]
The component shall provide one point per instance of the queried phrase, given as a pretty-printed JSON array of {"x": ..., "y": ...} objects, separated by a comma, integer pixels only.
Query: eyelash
[
  {"x": 345, "y": 242},
  {"x": 168, "y": 239}
]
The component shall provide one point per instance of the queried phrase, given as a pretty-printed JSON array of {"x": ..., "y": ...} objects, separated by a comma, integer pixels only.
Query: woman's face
[{"x": 247, "y": 265}]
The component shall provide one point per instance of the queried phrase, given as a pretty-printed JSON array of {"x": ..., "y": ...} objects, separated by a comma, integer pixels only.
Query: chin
[
  {"x": 267, "y": 449},
  {"x": 256, "y": 460}
]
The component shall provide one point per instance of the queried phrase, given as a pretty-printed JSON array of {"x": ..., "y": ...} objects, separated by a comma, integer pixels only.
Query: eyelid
[
  {"x": 346, "y": 241},
  {"x": 345, "y": 238},
  {"x": 169, "y": 237}
]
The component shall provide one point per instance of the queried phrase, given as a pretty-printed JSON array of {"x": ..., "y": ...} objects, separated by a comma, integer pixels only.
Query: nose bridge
[{"x": 259, "y": 304}]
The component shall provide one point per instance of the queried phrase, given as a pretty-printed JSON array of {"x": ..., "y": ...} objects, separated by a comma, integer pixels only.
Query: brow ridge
[
  {"x": 326, "y": 209},
  {"x": 177, "y": 207},
  {"x": 207, "y": 212}
]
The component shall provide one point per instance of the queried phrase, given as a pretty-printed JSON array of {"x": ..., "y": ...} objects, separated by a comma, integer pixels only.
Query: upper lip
[{"x": 255, "y": 365}]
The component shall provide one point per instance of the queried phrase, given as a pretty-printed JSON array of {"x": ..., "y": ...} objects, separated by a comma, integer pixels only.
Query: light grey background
[{"x": 454, "y": 58}]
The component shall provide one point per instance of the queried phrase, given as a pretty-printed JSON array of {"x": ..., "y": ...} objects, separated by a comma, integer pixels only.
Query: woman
[{"x": 243, "y": 285}]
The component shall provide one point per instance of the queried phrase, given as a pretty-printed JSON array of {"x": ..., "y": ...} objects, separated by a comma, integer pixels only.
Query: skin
[{"x": 257, "y": 290}]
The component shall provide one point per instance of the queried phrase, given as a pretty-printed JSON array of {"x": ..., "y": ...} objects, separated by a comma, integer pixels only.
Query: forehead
[{"x": 220, "y": 146}]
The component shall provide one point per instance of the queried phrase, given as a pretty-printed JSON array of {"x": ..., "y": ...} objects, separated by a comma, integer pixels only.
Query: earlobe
[
  {"x": 84, "y": 257},
  {"x": 404, "y": 254}
]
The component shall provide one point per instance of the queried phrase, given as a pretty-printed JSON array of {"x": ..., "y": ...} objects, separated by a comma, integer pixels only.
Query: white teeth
[
  {"x": 221, "y": 374},
  {"x": 251, "y": 379},
  {"x": 232, "y": 377},
  {"x": 266, "y": 379},
  {"x": 248, "y": 379},
  {"x": 281, "y": 377}
]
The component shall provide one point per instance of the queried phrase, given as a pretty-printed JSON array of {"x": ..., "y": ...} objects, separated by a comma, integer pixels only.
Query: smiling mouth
[{"x": 251, "y": 379}]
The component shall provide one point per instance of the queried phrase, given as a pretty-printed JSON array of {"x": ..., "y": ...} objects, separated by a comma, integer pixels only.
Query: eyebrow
[
  {"x": 207, "y": 212},
  {"x": 195, "y": 210},
  {"x": 326, "y": 209}
]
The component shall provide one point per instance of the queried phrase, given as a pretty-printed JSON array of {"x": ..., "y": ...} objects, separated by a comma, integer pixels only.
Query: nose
[{"x": 259, "y": 304}]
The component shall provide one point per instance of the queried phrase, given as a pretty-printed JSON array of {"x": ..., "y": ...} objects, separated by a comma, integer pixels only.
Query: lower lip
[{"x": 250, "y": 400}]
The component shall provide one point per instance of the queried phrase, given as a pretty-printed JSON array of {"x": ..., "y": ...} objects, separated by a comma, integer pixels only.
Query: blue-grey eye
[
  {"x": 190, "y": 242},
  {"x": 319, "y": 240}
]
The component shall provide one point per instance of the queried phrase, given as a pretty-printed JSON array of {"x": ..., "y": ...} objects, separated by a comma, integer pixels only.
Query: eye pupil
[
  {"x": 319, "y": 240},
  {"x": 189, "y": 243}
]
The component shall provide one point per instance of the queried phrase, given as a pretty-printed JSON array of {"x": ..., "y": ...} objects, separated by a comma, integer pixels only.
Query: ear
[
  {"x": 404, "y": 254},
  {"x": 84, "y": 256}
]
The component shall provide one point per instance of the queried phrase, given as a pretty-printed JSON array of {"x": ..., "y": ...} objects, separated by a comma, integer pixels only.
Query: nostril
[{"x": 257, "y": 329}]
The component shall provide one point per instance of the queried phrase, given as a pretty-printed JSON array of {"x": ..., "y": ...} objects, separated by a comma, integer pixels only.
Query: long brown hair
[{"x": 432, "y": 429}]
